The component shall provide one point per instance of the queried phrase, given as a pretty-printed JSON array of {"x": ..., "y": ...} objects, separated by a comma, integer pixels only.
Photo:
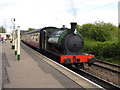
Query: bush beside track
[
  {"x": 106, "y": 51},
  {"x": 102, "y": 40}
]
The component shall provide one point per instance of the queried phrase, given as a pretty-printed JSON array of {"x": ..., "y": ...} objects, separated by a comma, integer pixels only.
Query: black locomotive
[{"x": 61, "y": 44}]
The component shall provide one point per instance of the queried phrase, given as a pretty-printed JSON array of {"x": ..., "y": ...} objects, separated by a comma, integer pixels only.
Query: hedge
[{"x": 105, "y": 49}]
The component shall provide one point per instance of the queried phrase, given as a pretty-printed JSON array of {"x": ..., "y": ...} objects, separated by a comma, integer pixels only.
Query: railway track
[
  {"x": 108, "y": 65},
  {"x": 105, "y": 74},
  {"x": 105, "y": 84},
  {"x": 105, "y": 71}
]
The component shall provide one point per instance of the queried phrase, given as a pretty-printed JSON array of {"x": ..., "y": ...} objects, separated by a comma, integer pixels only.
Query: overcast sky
[{"x": 41, "y": 13}]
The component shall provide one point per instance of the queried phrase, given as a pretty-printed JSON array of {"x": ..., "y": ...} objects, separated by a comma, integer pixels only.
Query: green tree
[
  {"x": 2, "y": 29},
  {"x": 99, "y": 31},
  {"x": 31, "y": 29}
]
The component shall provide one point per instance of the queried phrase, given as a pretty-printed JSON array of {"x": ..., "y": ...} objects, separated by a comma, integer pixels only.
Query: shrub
[{"x": 106, "y": 49}]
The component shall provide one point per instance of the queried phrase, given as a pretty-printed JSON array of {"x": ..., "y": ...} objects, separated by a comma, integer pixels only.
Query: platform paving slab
[
  {"x": 26, "y": 73},
  {"x": 0, "y": 65}
]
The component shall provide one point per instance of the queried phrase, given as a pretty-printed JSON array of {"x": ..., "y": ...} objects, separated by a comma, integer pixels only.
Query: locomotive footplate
[{"x": 70, "y": 59}]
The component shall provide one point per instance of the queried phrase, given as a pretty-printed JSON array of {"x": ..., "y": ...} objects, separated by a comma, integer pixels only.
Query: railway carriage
[{"x": 60, "y": 44}]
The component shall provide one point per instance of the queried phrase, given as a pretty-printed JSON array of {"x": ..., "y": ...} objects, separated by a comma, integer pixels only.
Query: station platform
[{"x": 31, "y": 71}]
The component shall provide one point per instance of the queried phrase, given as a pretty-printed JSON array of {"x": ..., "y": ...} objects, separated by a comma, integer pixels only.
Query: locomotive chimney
[
  {"x": 73, "y": 26},
  {"x": 63, "y": 26}
]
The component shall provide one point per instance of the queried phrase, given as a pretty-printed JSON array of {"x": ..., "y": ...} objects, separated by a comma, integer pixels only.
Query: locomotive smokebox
[{"x": 73, "y": 26}]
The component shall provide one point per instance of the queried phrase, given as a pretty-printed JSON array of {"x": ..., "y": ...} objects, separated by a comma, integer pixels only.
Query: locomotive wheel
[
  {"x": 89, "y": 64},
  {"x": 79, "y": 65}
]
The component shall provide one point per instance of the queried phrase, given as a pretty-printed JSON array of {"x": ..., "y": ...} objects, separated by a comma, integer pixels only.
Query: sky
[{"x": 42, "y": 13}]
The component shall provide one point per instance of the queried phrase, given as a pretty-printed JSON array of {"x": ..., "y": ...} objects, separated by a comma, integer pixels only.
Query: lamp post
[
  {"x": 13, "y": 21},
  {"x": 13, "y": 41}
]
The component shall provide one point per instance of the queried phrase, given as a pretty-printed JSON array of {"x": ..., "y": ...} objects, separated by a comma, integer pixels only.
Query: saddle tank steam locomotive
[{"x": 60, "y": 44}]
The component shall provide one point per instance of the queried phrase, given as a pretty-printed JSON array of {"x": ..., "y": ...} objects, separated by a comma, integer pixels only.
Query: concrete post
[
  {"x": 18, "y": 43},
  {"x": 15, "y": 42}
]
